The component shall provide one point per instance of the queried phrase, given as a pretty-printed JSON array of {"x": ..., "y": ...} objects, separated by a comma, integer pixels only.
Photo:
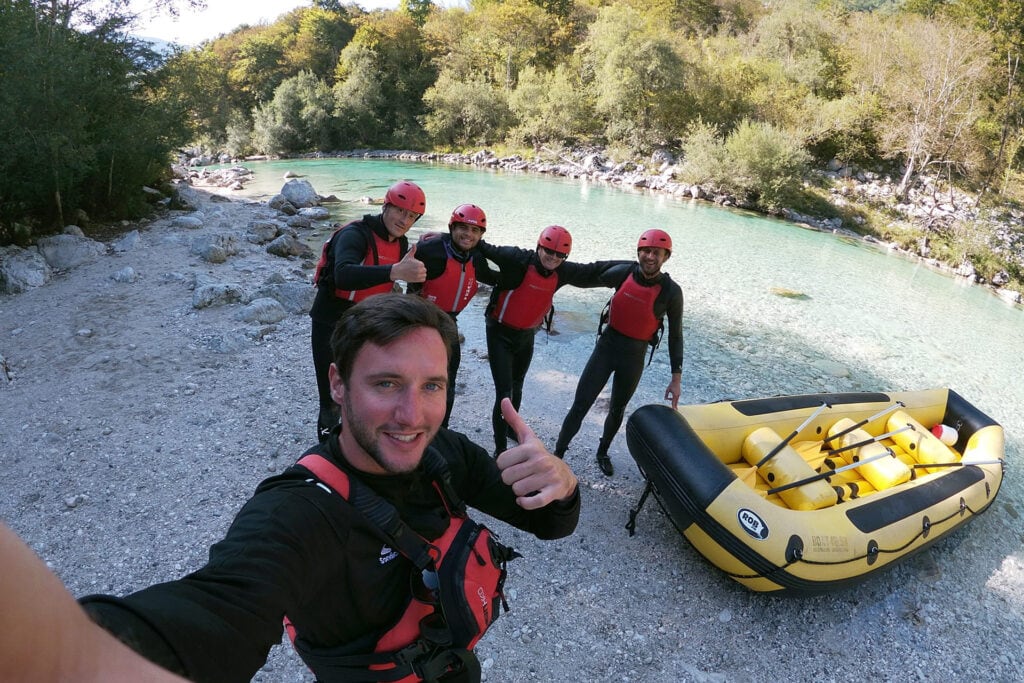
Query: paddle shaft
[
  {"x": 782, "y": 444},
  {"x": 958, "y": 464},
  {"x": 894, "y": 406},
  {"x": 834, "y": 451}
]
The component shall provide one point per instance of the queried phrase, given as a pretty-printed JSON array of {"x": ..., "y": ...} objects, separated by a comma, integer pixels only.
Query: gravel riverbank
[{"x": 135, "y": 424}]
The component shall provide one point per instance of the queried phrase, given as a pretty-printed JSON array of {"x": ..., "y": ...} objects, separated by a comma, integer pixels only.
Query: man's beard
[{"x": 367, "y": 440}]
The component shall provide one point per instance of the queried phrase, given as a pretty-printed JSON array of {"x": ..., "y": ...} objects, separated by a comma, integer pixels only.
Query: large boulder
[
  {"x": 66, "y": 251},
  {"x": 22, "y": 269},
  {"x": 300, "y": 193}
]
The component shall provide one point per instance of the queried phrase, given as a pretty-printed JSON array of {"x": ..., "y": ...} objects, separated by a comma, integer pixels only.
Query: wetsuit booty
[{"x": 603, "y": 461}]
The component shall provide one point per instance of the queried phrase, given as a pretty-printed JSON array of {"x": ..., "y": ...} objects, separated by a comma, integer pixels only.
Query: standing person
[
  {"x": 307, "y": 545},
  {"x": 518, "y": 305},
  {"x": 362, "y": 258},
  {"x": 643, "y": 298},
  {"x": 454, "y": 270}
]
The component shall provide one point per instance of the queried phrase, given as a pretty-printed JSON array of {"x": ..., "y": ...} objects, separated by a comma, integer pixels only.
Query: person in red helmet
[
  {"x": 632, "y": 321},
  {"x": 519, "y": 303},
  {"x": 360, "y": 259},
  {"x": 454, "y": 270}
]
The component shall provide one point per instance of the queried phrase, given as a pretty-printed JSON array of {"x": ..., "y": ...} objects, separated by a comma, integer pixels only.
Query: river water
[{"x": 771, "y": 308}]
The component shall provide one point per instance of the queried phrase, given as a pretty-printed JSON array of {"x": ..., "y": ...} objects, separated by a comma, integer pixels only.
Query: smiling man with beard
[{"x": 358, "y": 606}]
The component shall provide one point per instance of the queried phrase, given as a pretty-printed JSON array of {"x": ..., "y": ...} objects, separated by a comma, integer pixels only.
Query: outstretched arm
[{"x": 49, "y": 637}]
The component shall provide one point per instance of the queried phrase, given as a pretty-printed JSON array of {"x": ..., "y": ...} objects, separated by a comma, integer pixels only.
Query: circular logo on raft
[{"x": 752, "y": 524}]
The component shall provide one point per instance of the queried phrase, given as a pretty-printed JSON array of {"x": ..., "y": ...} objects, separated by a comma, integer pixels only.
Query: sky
[{"x": 221, "y": 16}]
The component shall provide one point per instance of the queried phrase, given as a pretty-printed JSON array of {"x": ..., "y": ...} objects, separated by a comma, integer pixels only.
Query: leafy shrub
[{"x": 757, "y": 162}]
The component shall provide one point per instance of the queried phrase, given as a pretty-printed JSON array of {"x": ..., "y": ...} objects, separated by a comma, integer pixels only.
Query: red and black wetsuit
[
  {"x": 296, "y": 549},
  {"x": 452, "y": 279},
  {"x": 362, "y": 253},
  {"x": 518, "y": 304},
  {"x": 637, "y": 308}
]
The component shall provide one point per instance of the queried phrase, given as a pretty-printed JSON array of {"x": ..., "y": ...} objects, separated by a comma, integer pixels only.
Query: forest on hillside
[{"x": 748, "y": 95}]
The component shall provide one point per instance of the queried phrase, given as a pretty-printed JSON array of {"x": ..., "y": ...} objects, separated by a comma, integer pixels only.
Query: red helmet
[
  {"x": 555, "y": 238},
  {"x": 471, "y": 214},
  {"x": 655, "y": 238},
  {"x": 408, "y": 196}
]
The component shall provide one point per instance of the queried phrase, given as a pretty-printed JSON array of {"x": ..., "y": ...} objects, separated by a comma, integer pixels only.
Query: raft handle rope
[
  {"x": 782, "y": 444},
  {"x": 865, "y": 442},
  {"x": 964, "y": 508},
  {"x": 894, "y": 406}
]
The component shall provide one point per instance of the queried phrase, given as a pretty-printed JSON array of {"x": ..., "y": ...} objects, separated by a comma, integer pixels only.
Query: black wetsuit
[
  {"x": 510, "y": 350},
  {"x": 623, "y": 356},
  {"x": 349, "y": 247},
  {"x": 296, "y": 549}
]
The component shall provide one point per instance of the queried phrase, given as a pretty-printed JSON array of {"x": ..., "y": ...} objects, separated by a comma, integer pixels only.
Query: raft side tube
[
  {"x": 965, "y": 418},
  {"x": 684, "y": 471},
  {"x": 871, "y": 516},
  {"x": 779, "y": 404}
]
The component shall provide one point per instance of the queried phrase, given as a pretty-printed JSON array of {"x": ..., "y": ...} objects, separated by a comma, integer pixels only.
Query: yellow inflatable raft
[{"x": 806, "y": 494}]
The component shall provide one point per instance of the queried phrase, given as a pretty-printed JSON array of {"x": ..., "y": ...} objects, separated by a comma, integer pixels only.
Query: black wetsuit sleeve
[
  {"x": 477, "y": 478},
  {"x": 350, "y": 249},
  {"x": 484, "y": 272},
  {"x": 218, "y": 623},
  {"x": 674, "y": 311},
  {"x": 594, "y": 274},
  {"x": 512, "y": 262}
]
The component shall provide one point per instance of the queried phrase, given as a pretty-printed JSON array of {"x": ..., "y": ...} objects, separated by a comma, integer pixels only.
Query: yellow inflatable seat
[
  {"x": 786, "y": 467},
  {"x": 882, "y": 473},
  {"x": 919, "y": 442}
]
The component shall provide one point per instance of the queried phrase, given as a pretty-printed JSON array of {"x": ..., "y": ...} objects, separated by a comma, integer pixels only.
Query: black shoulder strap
[{"x": 381, "y": 514}]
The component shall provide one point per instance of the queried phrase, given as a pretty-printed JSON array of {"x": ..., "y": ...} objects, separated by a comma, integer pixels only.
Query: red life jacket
[
  {"x": 452, "y": 289},
  {"x": 379, "y": 251},
  {"x": 524, "y": 307},
  {"x": 438, "y": 627},
  {"x": 631, "y": 310}
]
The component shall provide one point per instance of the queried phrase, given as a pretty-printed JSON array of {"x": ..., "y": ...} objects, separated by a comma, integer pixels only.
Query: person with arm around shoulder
[
  {"x": 519, "y": 303},
  {"x": 455, "y": 268},
  {"x": 361, "y": 258},
  {"x": 643, "y": 298},
  {"x": 324, "y": 547}
]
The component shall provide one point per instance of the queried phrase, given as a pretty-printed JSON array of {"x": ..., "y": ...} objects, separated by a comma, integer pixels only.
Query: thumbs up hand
[
  {"x": 409, "y": 268},
  {"x": 536, "y": 476}
]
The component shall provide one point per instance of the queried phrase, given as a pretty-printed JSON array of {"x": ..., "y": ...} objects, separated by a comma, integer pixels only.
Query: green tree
[
  {"x": 637, "y": 79},
  {"x": 83, "y": 128},
  {"x": 381, "y": 78},
  {"x": 760, "y": 164},
  {"x": 928, "y": 77},
  {"x": 550, "y": 106},
  {"x": 465, "y": 112},
  {"x": 196, "y": 83},
  {"x": 298, "y": 119},
  {"x": 320, "y": 37},
  {"x": 419, "y": 10}
]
